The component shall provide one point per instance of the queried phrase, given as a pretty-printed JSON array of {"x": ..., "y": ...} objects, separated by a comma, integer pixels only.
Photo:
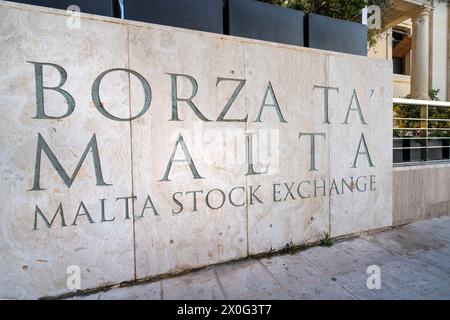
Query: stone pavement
[{"x": 414, "y": 261}]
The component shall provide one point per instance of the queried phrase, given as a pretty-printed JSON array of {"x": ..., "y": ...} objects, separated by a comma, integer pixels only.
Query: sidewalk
[{"x": 414, "y": 262}]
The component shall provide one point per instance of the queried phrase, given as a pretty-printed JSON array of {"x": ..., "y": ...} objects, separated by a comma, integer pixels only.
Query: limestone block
[{"x": 34, "y": 262}]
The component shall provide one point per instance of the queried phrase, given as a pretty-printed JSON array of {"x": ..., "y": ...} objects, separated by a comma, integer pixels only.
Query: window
[
  {"x": 401, "y": 47},
  {"x": 399, "y": 65}
]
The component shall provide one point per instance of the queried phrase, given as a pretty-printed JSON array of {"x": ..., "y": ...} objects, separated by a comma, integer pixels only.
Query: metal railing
[{"x": 421, "y": 132}]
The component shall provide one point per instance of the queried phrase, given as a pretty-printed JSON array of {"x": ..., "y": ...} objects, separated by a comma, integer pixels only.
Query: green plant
[
  {"x": 439, "y": 113},
  {"x": 406, "y": 112},
  {"x": 327, "y": 241},
  {"x": 293, "y": 248},
  {"x": 433, "y": 94},
  {"x": 413, "y": 112}
]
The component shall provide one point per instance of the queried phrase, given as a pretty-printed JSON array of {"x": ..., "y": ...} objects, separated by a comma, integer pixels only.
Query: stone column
[{"x": 420, "y": 54}]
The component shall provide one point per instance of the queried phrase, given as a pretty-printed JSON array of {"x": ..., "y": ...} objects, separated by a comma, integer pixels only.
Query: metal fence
[{"x": 421, "y": 132}]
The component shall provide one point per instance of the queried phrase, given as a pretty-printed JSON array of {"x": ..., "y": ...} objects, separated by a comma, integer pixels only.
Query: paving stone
[
  {"x": 365, "y": 252},
  {"x": 401, "y": 278},
  {"x": 281, "y": 294},
  {"x": 404, "y": 241},
  {"x": 201, "y": 285},
  {"x": 356, "y": 283},
  {"x": 289, "y": 269},
  {"x": 414, "y": 262},
  {"x": 438, "y": 258},
  {"x": 320, "y": 289},
  {"x": 417, "y": 277},
  {"x": 330, "y": 260},
  {"x": 437, "y": 227},
  {"x": 302, "y": 280},
  {"x": 245, "y": 279},
  {"x": 150, "y": 291}
]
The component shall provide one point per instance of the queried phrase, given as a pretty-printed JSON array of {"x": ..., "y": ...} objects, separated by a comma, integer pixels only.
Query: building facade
[{"x": 417, "y": 41}]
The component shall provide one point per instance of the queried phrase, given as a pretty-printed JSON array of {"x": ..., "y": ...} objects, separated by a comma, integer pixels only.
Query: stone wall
[
  {"x": 421, "y": 192},
  {"x": 131, "y": 150},
  {"x": 402, "y": 85}
]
